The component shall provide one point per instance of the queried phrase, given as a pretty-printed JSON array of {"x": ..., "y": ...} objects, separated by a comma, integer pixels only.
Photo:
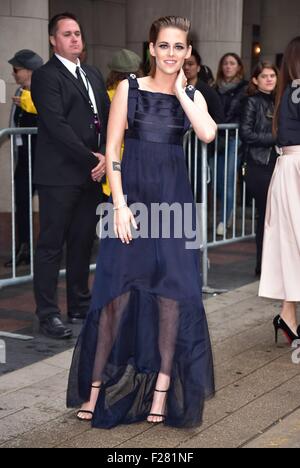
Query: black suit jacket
[{"x": 66, "y": 130}]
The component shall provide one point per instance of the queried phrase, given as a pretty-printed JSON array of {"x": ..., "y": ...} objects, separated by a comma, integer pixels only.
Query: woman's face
[
  {"x": 230, "y": 68},
  {"x": 266, "y": 81},
  {"x": 191, "y": 68},
  {"x": 170, "y": 50}
]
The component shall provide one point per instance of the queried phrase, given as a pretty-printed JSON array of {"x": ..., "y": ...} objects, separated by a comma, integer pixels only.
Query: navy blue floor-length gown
[{"x": 147, "y": 314}]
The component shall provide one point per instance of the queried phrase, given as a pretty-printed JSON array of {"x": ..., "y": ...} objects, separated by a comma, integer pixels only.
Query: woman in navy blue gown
[{"x": 144, "y": 351}]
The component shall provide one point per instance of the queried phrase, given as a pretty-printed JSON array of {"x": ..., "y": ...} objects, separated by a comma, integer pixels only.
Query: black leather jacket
[{"x": 256, "y": 128}]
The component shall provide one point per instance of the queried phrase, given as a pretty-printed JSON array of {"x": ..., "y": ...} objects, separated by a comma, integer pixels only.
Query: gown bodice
[{"x": 156, "y": 117}]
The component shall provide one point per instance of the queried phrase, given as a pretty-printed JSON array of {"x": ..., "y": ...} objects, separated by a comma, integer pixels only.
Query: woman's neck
[
  {"x": 234, "y": 80},
  {"x": 265, "y": 92},
  {"x": 164, "y": 83}
]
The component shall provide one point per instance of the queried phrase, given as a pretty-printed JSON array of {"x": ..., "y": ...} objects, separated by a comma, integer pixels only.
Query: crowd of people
[{"x": 144, "y": 351}]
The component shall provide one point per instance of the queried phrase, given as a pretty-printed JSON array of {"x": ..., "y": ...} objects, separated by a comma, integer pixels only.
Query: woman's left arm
[{"x": 204, "y": 126}]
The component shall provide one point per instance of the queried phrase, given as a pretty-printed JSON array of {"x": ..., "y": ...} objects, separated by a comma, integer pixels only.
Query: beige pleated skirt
[{"x": 280, "y": 277}]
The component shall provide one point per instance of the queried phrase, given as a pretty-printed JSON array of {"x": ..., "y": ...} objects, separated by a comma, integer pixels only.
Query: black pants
[
  {"x": 22, "y": 196},
  {"x": 67, "y": 215},
  {"x": 258, "y": 180}
]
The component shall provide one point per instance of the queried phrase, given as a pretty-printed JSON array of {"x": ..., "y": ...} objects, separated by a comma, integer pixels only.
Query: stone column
[{"x": 219, "y": 26}]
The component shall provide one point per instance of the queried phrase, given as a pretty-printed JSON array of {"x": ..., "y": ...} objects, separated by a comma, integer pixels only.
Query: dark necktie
[
  {"x": 81, "y": 82},
  {"x": 85, "y": 89}
]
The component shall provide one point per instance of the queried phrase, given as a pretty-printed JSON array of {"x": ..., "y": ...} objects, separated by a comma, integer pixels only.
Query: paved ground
[{"x": 257, "y": 402}]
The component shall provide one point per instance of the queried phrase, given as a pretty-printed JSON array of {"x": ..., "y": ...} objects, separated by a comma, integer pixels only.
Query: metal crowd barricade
[
  {"x": 12, "y": 132},
  {"x": 204, "y": 171}
]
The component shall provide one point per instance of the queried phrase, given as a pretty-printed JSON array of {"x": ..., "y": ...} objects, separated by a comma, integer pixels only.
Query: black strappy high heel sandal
[
  {"x": 91, "y": 413},
  {"x": 163, "y": 416}
]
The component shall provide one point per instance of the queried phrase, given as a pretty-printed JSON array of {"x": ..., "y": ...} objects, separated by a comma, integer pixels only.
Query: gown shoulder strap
[
  {"x": 190, "y": 91},
  {"x": 132, "y": 98},
  {"x": 133, "y": 82}
]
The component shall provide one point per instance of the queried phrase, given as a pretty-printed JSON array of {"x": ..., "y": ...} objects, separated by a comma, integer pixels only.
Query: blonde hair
[{"x": 167, "y": 22}]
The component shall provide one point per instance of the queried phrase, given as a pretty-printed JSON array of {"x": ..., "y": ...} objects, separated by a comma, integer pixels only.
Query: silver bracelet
[{"x": 116, "y": 208}]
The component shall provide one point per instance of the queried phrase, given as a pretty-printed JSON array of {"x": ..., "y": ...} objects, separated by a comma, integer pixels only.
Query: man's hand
[
  {"x": 98, "y": 172},
  {"x": 17, "y": 100}
]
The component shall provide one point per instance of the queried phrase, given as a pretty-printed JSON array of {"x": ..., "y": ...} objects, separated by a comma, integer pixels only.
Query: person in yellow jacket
[
  {"x": 23, "y": 114},
  {"x": 121, "y": 65},
  {"x": 26, "y": 102}
]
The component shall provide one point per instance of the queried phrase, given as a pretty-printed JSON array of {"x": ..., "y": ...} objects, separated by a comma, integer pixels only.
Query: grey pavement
[{"x": 257, "y": 403}]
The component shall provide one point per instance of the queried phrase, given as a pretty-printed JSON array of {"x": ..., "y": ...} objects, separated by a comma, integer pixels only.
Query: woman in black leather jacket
[{"x": 259, "y": 142}]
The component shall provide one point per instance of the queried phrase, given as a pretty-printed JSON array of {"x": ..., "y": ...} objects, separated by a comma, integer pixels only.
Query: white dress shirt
[{"x": 71, "y": 66}]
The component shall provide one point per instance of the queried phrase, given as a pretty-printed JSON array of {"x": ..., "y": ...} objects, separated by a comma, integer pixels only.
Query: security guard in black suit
[{"x": 73, "y": 109}]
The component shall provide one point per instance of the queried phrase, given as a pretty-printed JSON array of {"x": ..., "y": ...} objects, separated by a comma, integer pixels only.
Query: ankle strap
[
  {"x": 161, "y": 391},
  {"x": 96, "y": 386}
]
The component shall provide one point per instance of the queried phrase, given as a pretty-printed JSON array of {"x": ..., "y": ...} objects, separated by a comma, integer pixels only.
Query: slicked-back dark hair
[
  {"x": 166, "y": 22},
  {"x": 53, "y": 24}
]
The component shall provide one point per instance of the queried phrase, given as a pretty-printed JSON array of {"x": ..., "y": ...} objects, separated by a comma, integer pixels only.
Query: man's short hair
[{"x": 53, "y": 24}]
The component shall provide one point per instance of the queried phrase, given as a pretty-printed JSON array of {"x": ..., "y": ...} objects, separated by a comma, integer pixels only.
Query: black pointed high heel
[
  {"x": 280, "y": 324},
  {"x": 163, "y": 416},
  {"x": 91, "y": 413}
]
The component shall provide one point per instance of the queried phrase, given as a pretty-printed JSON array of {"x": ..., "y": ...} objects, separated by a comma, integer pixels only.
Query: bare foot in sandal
[{"x": 86, "y": 412}]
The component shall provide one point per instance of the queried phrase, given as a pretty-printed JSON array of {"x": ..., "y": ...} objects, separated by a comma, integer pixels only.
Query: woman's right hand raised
[{"x": 123, "y": 219}]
